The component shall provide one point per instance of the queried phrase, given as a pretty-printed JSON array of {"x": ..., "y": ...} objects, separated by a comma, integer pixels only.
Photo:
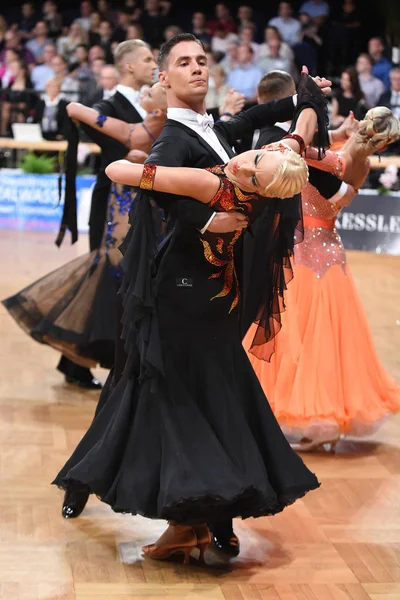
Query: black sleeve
[
  {"x": 111, "y": 149},
  {"x": 171, "y": 152},
  {"x": 257, "y": 117},
  {"x": 327, "y": 184}
]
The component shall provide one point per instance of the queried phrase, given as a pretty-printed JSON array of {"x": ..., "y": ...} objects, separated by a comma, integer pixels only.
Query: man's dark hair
[
  {"x": 275, "y": 85},
  {"x": 165, "y": 49}
]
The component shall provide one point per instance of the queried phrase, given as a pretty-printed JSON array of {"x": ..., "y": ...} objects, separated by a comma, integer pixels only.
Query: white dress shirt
[
  {"x": 133, "y": 96},
  {"x": 395, "y": 104},
  {"x": 192, "y": 119}
]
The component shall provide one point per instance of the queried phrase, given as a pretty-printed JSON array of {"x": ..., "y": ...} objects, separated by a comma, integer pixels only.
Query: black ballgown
[{"x": 187, "y": 433}]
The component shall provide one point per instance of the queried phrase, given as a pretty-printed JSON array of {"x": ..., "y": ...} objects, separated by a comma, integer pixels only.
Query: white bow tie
[{"x": 205, "y": 121}]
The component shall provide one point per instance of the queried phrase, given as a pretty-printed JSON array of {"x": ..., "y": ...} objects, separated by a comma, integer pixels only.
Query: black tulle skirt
[{"x": 73, "y": 309}]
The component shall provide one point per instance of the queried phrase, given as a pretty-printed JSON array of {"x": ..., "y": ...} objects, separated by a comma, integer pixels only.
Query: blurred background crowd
[{"x": 52, "y": 53}]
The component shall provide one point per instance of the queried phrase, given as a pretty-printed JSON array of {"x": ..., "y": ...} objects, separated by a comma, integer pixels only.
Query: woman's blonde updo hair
[
  {"x": 290, "y": 176},
  {"x": 378, "y": 129}
]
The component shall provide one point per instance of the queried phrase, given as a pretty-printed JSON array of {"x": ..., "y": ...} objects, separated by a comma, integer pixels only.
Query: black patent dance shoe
[
  {"x": 74, "y": 502},
  {"x": 226, "y": 542},
  {"x": 90, "y": 384}
]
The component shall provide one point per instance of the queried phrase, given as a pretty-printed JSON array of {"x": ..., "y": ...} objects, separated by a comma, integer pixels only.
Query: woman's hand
[
  {"x": 324, "y": 84},
  {"x": 233, "y": 103}
]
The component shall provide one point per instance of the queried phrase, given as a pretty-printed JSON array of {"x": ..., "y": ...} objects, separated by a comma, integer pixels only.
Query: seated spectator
[
  {"x": 6, "y": 74},
  {"x": 288, "y": 27},
  {"x": 246, "y": 76},
  {"x": 171, "y": 31},
  {"x": 371, "y": 86},
  {"x": 28, "y": 21},
  {"x": 86, "y": 9},
  {"x": 217, "y": 93},
  {"x": 223, "y": 20},
  {"x": 246, "y": 36},
  {"x": 391, "y": 98},
  {"x": 69, "y": 86},
  {"x": 42, "y": 73},
  {"x": 382, "y": 66},
  {"x": 272, "y": 33},
  {"x": 274, "y": 61},
  {"x": 104, "y": 39},
  {"x": 39, "y": 40},
  {"x": 317, "y": 9},
  {"x": 135, "y": 32},
  {"x": 93, "y": 31},
  {"x": 108, "y": 81},
  {"x": 245, "y": 16},
  {"x": 12, "y": 41},
  {"x": 221, "y": 40},
  {"x": 348, "y": 98},
  {"x": 19, "y": 99},
  {"x": 230, "y": 60},
  {"x": 52, "y": 18},
  {"x": 51, "y": 112},
  {"x": 200, "y": 30},
  {"x": 67, "y": 45},
  {"x": 124, "y": 19},
  {"x": 106, "y": 12},
  {"x": 154, "y": 21}
]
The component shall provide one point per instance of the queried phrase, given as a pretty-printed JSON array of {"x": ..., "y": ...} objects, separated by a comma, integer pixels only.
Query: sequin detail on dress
[{"x": 219, "y": 249}]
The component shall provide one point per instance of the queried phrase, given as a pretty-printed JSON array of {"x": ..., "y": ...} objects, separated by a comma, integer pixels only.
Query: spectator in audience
[
  {"x": 216, "y": 94},
  {"x": 154, "y": 21},
  {"x": 371, "y": 86},
  {"x": 274, "y": 61},
  {"x": 348, "y": 98},
  {"x": 382, "y": 65},
  {"x": 124, "y": 19},
  {"x": 200, "y": 30},
  {"x": 230, "y": 60},
  {"x": 93, "y": 31},
  {"x": 84, "y": 20},
  {"x": 288, "y": 27},
  {"x": 221, "y": 40},
  {"x": 28, "y": 20},
  {"x": 272, "y": 33},
  {"x": 69, "y": 85},
  {"x": 6, "y": 74},
  {"x": 135, "y": 32},
  {"x": 223, "y": 20},
  {"x": 104, "y": 39},
  {"x": 107, "y": 80},
  {"x": 246, "y": 36},
  {"x": 67, "y": 45},
  {"x": 12, "y": 40},
  {"x": 3, "y": 29},
  {"x": 245, "y": 16},
  {"x": 107, "y": 14},
  {"x": 391, "y": 98},
  {"x": 317, "y": 9},
  {"x": 170, "y": 31},
  {"x": 52, "y": 18},
  {"x": 42, "y": 73},
  {"x": 94, "y": 53},
  {"x": 39, "y": 40},
  {"x": 245, "y": 77},
  {"x": 19, "y": 100},
  {"x": 51, "y": 112}
]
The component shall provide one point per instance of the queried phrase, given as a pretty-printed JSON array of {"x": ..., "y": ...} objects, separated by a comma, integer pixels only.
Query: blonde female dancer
[{"x": 325, "y": 378}]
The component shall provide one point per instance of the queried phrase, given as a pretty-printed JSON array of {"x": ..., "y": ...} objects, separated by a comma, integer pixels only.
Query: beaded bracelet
[
  {"x": 298, "y": 139},
  {"x": 147, "y": 180}
]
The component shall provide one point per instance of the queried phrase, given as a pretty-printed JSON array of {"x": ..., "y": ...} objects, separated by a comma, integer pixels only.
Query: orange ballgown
[{"x": 325, "y": 377}]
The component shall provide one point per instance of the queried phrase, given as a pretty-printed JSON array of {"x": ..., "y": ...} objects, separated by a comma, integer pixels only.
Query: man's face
[
  {"x": 221, "y": 11},
  {"x": 108, "y": 78},
  {"x": 395, "y": 80},
  {"x": 49, "y": 53},
  {"x": 244, "y": 54},
  {"x": 198, "y": 20},
  {"x": 96, "y": 52},
  {"x": 58, "y": 65},
  {"x": 96, "y": 66},
  {"x": 363, "y": 65},
  {"x": 105, "y": 29},
  {"x": 41, "y": 29},
  {"x": 375, "y": 48},
  {"x": 142, "y": 65},
  {"x": 27, "y": 10},
  {"x": 285, "y": 10},
  {"x": 86, "y": 9},
  {"x": 244, "y": 13},
  {"x": 81, "y": 55},
  {"x": 274, "y": 47},
  {"x": 186, "y": 72}
]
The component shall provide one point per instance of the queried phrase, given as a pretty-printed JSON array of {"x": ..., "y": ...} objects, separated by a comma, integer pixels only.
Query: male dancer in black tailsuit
[{"x": 137, "y": 67}]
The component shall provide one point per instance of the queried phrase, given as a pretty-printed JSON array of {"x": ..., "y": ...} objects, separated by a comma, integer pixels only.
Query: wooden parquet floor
[{"x": 341, "y": 542}]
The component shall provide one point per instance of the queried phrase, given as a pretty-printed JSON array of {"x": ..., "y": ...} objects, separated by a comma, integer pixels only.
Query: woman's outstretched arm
[
  {"x": 139, "y": 135},
  {"x": 182, "y": 181}
]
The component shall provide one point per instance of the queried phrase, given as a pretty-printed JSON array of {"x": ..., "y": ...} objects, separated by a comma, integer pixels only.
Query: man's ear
[
  {"x": 163, "y": 78},
  {"x": 157, "y": 112}
]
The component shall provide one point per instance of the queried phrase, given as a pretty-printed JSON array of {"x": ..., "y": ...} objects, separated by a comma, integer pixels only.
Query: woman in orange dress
[{"x": 325, "y": 378}]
